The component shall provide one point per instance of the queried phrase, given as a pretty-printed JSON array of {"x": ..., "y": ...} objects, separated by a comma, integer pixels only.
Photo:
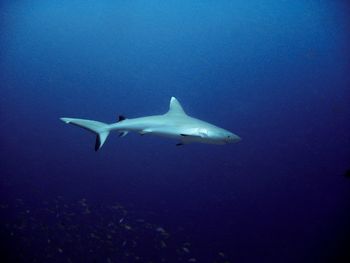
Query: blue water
[{"x": 277, "y": 73}]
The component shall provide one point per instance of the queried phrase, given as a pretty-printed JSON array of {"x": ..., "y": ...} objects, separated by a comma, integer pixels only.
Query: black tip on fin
[
  {"x": 182, "y": 134},
  {"x": 121, "y": 118},
  {"x": 97, "y": 143},
  {"x": 179, "y": 144}
]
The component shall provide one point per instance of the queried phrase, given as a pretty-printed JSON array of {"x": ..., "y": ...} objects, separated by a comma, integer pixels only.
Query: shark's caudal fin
[{"x": 99, "y": 128}]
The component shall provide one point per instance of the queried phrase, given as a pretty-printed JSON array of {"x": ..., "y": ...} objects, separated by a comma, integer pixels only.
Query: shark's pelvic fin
[
  {"x": 175, "y": 107},
  {"x": 145, "y": 131}
]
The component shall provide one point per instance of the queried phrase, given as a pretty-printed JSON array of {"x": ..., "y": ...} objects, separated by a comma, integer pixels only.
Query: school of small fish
[{"x": 61, "y": 231}]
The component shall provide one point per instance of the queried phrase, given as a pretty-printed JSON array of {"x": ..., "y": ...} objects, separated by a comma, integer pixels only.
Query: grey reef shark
[{"x": 174, "y": 124}]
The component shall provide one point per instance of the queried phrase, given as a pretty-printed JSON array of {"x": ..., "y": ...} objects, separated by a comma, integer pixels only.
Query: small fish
[
  {"x": 87, "y": 211},
  {"x": 160, "y": 229},
  {"x": 127, "y": 227},
  {"x": 186, "y": 249},
  {"x": 163, "y": 244}
]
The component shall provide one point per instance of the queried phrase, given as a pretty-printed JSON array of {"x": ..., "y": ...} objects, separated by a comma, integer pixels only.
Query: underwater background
[{"x": 277, "y": 73}]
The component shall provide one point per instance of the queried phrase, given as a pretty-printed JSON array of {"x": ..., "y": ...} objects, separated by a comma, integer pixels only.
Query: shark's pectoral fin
[
  {"x": 145, "y": 131},
  {"x": 191, "y": 135},
  {"x": 195, "y": 133}
]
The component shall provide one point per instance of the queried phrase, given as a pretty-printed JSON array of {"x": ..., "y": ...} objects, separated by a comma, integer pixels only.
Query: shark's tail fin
[{"x": 99, "y": 128}]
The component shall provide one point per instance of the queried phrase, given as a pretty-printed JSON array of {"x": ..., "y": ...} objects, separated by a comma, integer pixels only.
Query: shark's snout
[
  {"x": 238, "y": 139},
  {"x": 233, "y": 138}
]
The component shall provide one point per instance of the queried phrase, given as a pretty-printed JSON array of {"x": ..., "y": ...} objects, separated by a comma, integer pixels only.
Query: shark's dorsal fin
[{"x": 175, "y": 107}]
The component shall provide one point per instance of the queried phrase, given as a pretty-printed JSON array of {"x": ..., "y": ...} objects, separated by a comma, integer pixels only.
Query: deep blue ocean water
[{"x": 277, "y": 73}]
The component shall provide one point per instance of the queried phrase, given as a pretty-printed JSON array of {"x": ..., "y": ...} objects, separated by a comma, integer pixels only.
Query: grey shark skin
[{"x": 174, "y": 124}]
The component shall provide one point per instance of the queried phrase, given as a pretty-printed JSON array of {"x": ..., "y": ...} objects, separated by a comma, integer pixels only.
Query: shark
[{"x": 175, "y": 124}]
